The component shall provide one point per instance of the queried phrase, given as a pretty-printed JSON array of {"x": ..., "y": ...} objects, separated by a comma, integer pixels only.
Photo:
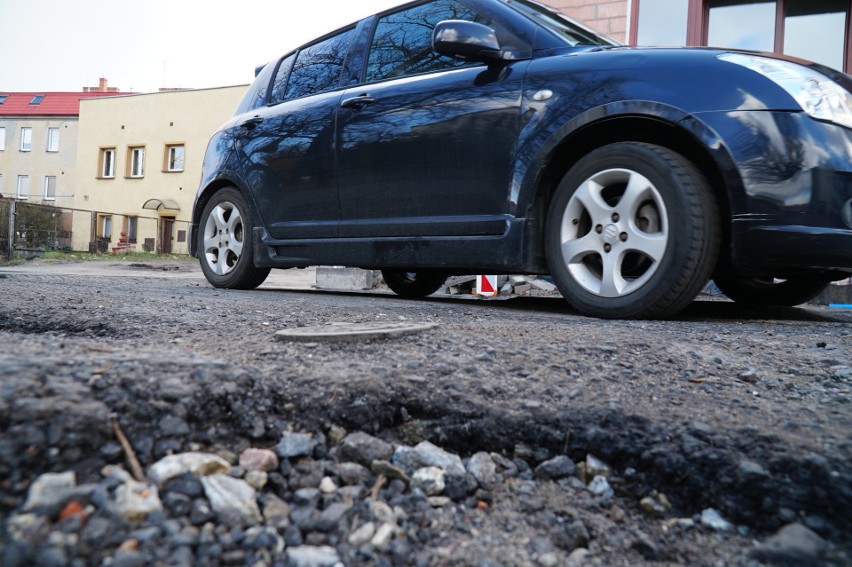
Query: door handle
[
  {"x": 251, "y": 123},
  {"x": 359, "y": 101}
]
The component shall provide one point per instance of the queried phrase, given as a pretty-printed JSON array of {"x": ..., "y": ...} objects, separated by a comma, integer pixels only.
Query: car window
[
  {"x": 256, "y": 94},
  {"x": 402, "y": 42},
  {"x": 317, "y": 67},
  {"x": 279, "y": 85}
]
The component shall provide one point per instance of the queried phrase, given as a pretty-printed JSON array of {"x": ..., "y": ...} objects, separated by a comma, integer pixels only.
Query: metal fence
[{"x": 28, "y": 229}]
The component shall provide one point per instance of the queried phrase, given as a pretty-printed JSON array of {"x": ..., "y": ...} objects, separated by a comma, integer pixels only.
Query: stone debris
[
  {"x": 258, "y": 460},
  {"x": 429, "y": 479},
  {"x": 513, "y": 285},
  {"x": 50, "y": 490},
  {"x": 199, "y": 464},
  {"x": 294, "y": 444},
  {"x": 794, "y": 544},
  {"x": 425, "y": 454},
  {"x": 345, "y": 505},
  {"x": 232, "y": 499},
  {"x": 134, "y": 501},
  {"x": 713, "y": 520},
  {"x": 599, "y": 486}
]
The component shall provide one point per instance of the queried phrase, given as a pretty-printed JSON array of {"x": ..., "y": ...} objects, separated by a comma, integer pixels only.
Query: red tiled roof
[{"x": 53, "y": 104}]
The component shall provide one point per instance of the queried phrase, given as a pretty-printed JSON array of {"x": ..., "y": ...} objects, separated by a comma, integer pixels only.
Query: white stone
[
  {"x": 257, "y": 479},
  {"x": 49, "y": 489},
  {"x": 383, "y": 535},
  {"x": 712, "y": 519},
  {"x": 425, "y": 454},
  {"x": 313, "y": 556},
  {"x": 199, "y": 464},
  {"x": 483, "y": 469},
  {"x": 135, "y": 500},
  {"x": 327, "y": 485},
  {"x": 232, "y": 499},
  {"x": 363, "y": 534},
  {"x": 429, "y": 479},
  {"x": 600, "y": 486}
]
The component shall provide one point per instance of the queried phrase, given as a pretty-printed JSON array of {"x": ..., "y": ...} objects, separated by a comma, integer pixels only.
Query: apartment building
[
  {"x": 138, "y": 167},
  {"x": 38, "y": 143}
]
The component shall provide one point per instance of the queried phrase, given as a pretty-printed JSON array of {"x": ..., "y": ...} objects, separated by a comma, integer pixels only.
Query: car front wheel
[
  {"x": 414, "y": 284},
  {"x": 770, "y": 291},
  {"x": 632, "y": 232},
  {"x": 224, "y": 242}
]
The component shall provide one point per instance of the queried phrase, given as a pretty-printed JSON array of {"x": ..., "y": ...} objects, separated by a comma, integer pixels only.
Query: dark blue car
[{"x": 496, "y": 136}]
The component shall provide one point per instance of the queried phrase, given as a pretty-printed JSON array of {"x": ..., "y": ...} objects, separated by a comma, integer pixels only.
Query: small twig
[
  {"x": 129, "y": 453},
  {"x": 374, "y": 492}
]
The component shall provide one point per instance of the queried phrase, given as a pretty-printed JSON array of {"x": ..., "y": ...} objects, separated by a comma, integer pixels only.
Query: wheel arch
[
  {"x": 203, "y": 197},
  {"x": 651, "y": 123}
]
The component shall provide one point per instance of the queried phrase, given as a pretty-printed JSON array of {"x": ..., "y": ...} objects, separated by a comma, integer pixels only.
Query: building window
[
  {"x": 2, "y": 138},
  {"x": 26, "y": 139},
  {"x": 37, "y": 100},
  {"x": 105, "y": 226},
  {"x": 136, "y": 162},
  {"x": 50, "y": 188},
  {"x": 3, "y": 98},
  {"x": 745, "y": 25},
  {"x": 816, "y": 30},
  {"x": 174, "y": 157},
  {"x": 662, "y": 22},
  {"x": 132, "y": 224},
  {"x": 23, "y": 187},
  {"x": 53, "y": 139},
  {"x": 107, "y": 165}
]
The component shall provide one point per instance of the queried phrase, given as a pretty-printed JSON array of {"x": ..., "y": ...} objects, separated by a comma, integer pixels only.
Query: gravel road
[{"x": 515, "y": 432}]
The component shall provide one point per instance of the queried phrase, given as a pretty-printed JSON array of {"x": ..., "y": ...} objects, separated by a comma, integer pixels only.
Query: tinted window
[
  {"x": 317, "y": 67},
  {"x": 256, "y": 94},
  {"x": 279, "y": 85},
  {"x": 402, "y": 43}
]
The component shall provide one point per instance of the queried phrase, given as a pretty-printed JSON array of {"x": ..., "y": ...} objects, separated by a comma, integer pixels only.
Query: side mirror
[{"x": 468, "y": 41}]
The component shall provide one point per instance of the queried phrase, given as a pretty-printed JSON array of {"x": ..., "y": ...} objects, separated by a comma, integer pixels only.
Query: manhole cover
[{"x": 352, "y": 331}]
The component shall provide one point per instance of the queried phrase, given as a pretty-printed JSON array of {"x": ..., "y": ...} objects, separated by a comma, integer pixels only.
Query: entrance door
[{"x": 167, "y": 229}]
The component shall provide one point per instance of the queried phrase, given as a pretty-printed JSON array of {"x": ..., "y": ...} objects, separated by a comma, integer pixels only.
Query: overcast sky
[{"x": 63, "y": 45}]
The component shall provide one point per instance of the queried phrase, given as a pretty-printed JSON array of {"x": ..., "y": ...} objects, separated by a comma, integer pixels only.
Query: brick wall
[{"x": 605, "y": 16}]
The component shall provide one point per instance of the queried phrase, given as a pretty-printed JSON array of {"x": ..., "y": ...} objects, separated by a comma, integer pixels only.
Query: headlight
[{"x": 818, "y": 95}]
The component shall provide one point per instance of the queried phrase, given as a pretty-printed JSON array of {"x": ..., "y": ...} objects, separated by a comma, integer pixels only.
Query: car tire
[
  {"x": 414, "y": 284},
  {"x": 633, "y": 232},
  {"x": 768, "y": 291},
  {"x": 225, "y": 247}
]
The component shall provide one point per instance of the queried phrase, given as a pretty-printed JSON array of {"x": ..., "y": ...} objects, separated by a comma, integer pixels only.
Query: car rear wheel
[
  {"x": 771, "y": 291},
  {"x": 414, "y": 284},
  {"x": 632, "y": 232},
  {"x": 224, "y": 242}
]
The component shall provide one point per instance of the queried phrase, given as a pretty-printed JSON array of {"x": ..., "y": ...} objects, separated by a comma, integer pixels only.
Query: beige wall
[
  {"x": 38, "y": 163},
  {"x": 152, "y": 121},
  {"x": 605, "y": 16}
]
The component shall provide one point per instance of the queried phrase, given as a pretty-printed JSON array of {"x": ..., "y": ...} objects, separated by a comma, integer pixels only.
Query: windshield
[{"x": 569, "y": 30}]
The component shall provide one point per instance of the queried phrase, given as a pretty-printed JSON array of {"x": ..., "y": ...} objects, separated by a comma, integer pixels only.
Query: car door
[
  {"x": 287, "y": 146},
  {"x": 426, "y": 144}
]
